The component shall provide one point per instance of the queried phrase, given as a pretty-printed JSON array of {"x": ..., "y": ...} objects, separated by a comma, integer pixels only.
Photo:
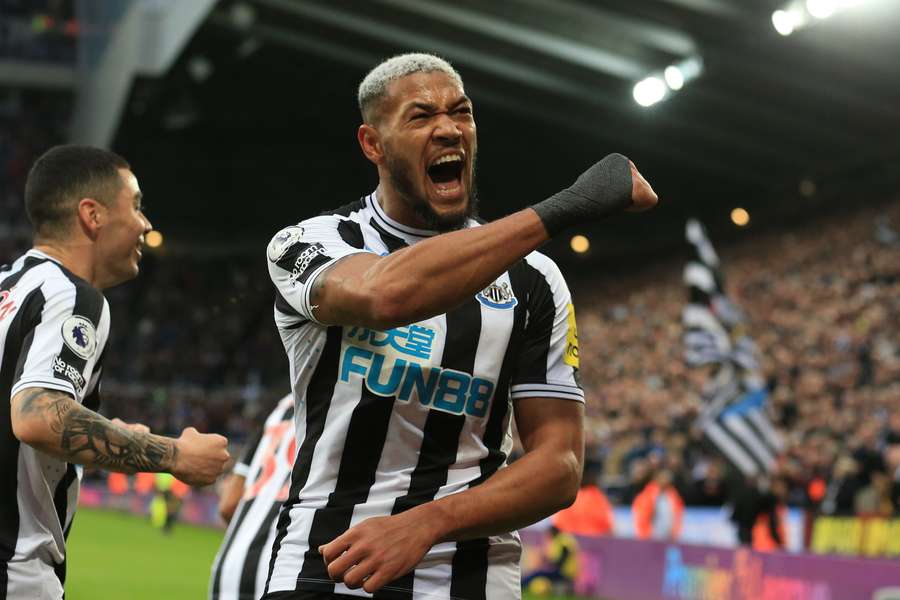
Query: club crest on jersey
[
  {"x": 283, "y": 241},
  {"x": 498, "y": 296},
  {"x": 79, "y": 335}
]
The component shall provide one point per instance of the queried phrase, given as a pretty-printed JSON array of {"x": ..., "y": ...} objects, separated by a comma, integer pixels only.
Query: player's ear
[
  {"x": 370, "y": 142},
  {"x": 91, "y": 216}
]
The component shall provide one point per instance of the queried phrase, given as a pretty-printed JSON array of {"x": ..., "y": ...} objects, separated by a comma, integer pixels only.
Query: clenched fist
[
  {"x": 200, "y": 458},
  {"x": 642, "y": 195}
]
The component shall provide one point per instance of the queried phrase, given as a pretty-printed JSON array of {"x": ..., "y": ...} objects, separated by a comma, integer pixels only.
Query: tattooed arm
[{"x": 54, "y": 423}]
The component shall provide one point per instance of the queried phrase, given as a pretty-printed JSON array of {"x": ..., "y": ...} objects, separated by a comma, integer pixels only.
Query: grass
[{"x": 115, "y": 556}]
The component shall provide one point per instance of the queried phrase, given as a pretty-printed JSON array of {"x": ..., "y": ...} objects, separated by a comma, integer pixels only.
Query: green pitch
[{"x": 115, "y": 555}]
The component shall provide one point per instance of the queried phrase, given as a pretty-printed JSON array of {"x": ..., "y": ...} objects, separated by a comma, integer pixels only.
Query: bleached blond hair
[{"x": 374, "y": 85}]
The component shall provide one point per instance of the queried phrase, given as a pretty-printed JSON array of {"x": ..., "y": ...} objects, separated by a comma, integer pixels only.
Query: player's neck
[
  {"x": 77, "y": 258},
  {"x": 397, "y": 208}
]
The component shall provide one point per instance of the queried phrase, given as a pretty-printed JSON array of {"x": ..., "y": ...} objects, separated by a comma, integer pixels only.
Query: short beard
[{"x": 401, "y": 180}]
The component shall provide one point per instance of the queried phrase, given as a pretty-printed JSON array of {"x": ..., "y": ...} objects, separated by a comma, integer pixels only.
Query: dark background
[{"x": 268, "y": 137}]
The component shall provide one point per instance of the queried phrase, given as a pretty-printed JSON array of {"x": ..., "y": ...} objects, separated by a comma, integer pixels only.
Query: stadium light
[
  {"x": 649, "y": 91},
  {"x": 580, "y": 244},
  {"x": 154, "y": 239},
  {"x": 674, "y": 77},
  {"x": 797, "y": 14},
  {"x": 785, "y": 21},
  {"x": 740, "y": 217},
  {"x": 658, "y": 86},
  {"x": 821, "y": 9}
]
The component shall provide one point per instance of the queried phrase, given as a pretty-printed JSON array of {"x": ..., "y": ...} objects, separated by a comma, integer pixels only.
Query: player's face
[
  {"x": 429, "y": 144},
  {"x": 120, "y": 240}
]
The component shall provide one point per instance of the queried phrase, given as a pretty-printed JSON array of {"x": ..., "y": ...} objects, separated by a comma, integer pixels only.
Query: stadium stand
[{"x": 219, "y": 364}]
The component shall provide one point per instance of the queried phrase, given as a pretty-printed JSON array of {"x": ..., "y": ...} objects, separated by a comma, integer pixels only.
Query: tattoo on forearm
[{"x": 89, "y": 438}]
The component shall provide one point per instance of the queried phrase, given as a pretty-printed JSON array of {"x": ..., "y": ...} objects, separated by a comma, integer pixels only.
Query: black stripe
[
  {"x": 532, "y": 363},
  {"x": 318, "y": 400},
  {"x": 61, "y": 495},
  {"x": 247, "y": 588},
  {"x": 60, "y": 570},
  {"x": 364, "y": 444},
  {"x": 440, "y": 439},
  {"x": 698, "y": 296},
  {"x": 31, "y": 310},
  {"x": 391, "y": 241},
  {"x": 470, "y": 566},
  {"x": 14, "y": 349},
  {"x": 92, "y": 400},
  {"x": 229, "y": 540},
  {"x": 351, "y": 233}
]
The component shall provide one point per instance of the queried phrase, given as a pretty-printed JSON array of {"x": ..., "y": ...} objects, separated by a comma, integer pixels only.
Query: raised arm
[
  {"x": 438, "y": 274},
  {"x": 54, "y": 423}
]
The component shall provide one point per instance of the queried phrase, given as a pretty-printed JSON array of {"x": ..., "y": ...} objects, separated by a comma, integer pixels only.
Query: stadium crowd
[
  {"x": 824, "y": 306},
  {"x": 195, "y": 330}
]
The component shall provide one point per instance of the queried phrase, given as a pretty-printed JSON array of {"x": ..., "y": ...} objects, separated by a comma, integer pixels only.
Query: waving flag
[{"x": 734, "y": 415}]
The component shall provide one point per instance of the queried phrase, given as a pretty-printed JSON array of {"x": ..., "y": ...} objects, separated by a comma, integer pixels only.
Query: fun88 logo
[{"x": 391, "y": 364}]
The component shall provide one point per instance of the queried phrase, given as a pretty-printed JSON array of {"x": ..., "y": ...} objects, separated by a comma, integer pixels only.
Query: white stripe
[
  {"x": 432, "y": 581},
  {"x": 493, "y": 342},
  {"x": 765, "y": 427},
  {"x": 262, "y": 569},
  {"x": 560, "y": 395},
  {"x": 504, "y": 579},
  {"x": 737, "y": 426},
  {"x": 548, "y": 390},
  {"x": 699, "y": 276},
  {"x": 730, "y": 448},
  {"x": 289, "y": 561},
  {"x": 696, "y": 234}
]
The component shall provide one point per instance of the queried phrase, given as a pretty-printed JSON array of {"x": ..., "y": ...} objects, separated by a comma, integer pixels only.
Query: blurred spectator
[
  {"x": 658, "y": 510},
  {"x": 559, "y": 565},
  {"x": 591, "y": 513}
]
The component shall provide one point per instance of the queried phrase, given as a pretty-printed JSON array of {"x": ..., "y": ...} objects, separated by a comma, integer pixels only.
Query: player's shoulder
[
  {"x": 59, "y": 283},
  {"x": 338, "y": 225},
  {"x": 545, "y": 266}
]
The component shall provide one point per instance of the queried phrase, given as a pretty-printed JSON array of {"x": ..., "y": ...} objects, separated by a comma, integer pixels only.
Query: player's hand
[
  {"x": 642, "y": 195},
  {"x": 201, "y": 457},
  {"x": 377, "y": 551},
  {"x": 607, "y": 187},
  {"x": 132, "y": 427}
]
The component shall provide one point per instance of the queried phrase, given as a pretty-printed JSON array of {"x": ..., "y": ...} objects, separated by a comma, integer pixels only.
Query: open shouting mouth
[{"x": 445, "y": 173}]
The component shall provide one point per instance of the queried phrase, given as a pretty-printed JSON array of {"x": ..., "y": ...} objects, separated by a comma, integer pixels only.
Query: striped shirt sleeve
[
  {"x": 547, "y": 365},
  {"x": 63, "y": 349},
  {"x": 297, "y": 255}
]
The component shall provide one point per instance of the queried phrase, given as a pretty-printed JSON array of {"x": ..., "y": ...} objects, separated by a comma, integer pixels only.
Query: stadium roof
[{"x": 255, "y": 125}]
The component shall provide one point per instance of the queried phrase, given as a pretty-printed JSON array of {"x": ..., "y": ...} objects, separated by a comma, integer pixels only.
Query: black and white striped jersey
[
  {"x": 388, "y": 420},
  {"x": 53, "y": 330},
  {"x": 242, "y": 564}
]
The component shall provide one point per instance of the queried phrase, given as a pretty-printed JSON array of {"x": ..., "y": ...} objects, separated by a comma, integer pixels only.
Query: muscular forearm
[
  {"x": 438, "y": 274},
  {"x": 535, "y": 486},
  {"x": 56, "y": 424}
]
